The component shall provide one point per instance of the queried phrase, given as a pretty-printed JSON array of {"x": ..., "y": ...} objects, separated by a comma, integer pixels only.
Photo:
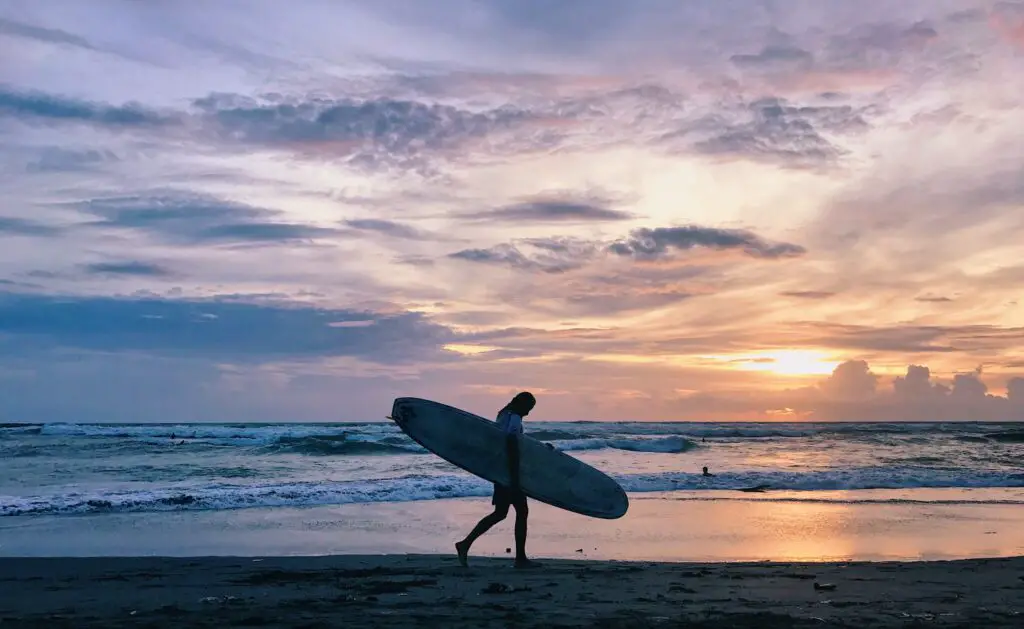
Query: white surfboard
[{"x": 477, "y": 445}]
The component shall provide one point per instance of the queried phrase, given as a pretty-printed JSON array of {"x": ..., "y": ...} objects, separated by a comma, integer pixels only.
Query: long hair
[{"x": 521, "y": 404}]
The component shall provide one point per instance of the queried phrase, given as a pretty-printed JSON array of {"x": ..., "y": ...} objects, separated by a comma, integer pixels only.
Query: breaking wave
[
  {"x": 218, "y": 496},
  {"x": 315, "y": 440}
]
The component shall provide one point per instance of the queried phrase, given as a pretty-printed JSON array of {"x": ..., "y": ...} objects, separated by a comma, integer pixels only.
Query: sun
[{"x": 783, "y": 362}]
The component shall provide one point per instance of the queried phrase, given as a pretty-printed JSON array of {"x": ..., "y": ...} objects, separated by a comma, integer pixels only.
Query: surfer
[{"x": 510, "y": 420}]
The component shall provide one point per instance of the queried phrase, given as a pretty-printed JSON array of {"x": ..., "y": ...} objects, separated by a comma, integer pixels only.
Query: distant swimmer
[
  {"x": 707, "y": 473},
  {"x": 510, "y": 420}
]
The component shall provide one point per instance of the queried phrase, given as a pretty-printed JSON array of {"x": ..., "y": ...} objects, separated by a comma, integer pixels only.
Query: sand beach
[{"x": 400, "y": 591}]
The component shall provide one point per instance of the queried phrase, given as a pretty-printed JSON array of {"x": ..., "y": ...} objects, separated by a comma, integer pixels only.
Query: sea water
[{"x": 69, "y": 469}]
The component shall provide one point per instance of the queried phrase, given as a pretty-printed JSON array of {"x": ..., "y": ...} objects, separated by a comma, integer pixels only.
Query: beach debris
[
  {"x": 824, "y": 587},
  {"x": 218, "y": 599},
  {"x": 508, "y": 550},
  {"x": 502, "y": 588},
  {"x": 496, "y": 588},
  {"x": 579, "y": 550}
]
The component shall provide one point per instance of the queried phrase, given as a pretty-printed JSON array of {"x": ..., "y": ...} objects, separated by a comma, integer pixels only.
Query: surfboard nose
[{"x": 402, "y": 410}]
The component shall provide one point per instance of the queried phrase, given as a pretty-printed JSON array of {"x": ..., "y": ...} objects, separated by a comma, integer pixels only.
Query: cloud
[
  {"x": 22, "y": 227},
  {"x": 854, "y": 393},
  {"x": 776, "y": 57},
  {"x": 263, "y": 232},
  {"x": 851, "y": 392},
  {"x": 875, "y": 44},
  {"x": 850, "y": 380},
  {"x": 906, "y": 338},
  {"x": 557, "y": 255},
  {"x": 1008, "y": 20},
  {"x": 135, "y": 268},
  {"x": 773, "y": 130},
  {"x": 55, "y": 159},
  {"x": 938, "y": 299},
  {"x": 371, "y": 128},
  {"x": 555, "y": 209},
  {"x": 546, "y": 260},
  {"x": 388, "y": 228},
  {"x": 47, "y": 108},
  {"x": 219, "y": 329},
  {"x": 50, "y": 35},
  {"x": 649, "y": 244},
  {"x": 808, "y": 294},
  {"x": 196, "y": 218},
  {"x": 861, "y": 53}
]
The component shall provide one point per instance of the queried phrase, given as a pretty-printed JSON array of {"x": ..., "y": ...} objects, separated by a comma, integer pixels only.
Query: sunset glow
[
  {"x": 799, "y": 209},
  {"x": 783, "y": 362}
]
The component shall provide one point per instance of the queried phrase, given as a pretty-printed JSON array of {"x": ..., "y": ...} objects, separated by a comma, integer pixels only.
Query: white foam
[
  {"x": 459, "y": 485},
  {"x": 633, "y": 444}
]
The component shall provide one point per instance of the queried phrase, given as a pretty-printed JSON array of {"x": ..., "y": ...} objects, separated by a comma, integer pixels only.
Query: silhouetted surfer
[
  {"x": 706, "y": 472},
  {"x": 510, "y": 420}
]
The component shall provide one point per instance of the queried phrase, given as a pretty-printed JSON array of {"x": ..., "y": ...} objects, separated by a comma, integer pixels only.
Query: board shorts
[{"x": 506, "y": 497}]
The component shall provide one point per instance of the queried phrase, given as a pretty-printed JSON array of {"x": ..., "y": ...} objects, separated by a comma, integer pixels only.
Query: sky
[{"x": 808, "y": 210}]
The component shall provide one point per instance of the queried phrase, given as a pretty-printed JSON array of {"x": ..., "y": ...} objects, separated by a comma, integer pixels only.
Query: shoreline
[
  {"x": 939, "y": 525},
  {"x": 404, "y": 591}
]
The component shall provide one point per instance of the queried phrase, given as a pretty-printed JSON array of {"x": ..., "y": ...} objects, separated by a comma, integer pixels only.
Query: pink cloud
[{"x": 1008, "y": 21}]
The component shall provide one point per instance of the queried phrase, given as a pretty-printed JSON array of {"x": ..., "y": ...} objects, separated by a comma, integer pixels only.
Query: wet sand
[
  {"x": 383, "y": 591},
  {"x": 711, "y": 527}
]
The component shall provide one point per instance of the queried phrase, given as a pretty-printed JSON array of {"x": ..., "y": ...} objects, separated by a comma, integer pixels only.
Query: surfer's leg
[
  {"x": 484, "y": 525},
  {"x": 522, "y": 513}
]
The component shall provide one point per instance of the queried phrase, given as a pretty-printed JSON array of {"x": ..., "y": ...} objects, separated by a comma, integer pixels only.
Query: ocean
[{"x": 68, "y": 469}]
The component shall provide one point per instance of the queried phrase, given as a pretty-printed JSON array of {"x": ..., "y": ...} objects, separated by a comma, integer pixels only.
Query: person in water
[{"x": 510, "y": 420}]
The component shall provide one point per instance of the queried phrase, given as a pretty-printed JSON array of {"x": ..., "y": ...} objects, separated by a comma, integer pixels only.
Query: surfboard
[{"x": 477, "y": 445}]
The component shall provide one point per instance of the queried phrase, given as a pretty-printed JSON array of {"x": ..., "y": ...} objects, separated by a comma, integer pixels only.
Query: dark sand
[{"x": 433, "y": 591}]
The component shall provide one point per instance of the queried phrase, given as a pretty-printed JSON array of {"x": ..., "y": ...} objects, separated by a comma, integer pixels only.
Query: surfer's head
[{"x": 522, "y": 403}]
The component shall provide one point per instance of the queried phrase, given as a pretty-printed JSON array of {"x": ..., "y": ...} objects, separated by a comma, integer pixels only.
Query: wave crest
[{"x": 462, "y": 485}]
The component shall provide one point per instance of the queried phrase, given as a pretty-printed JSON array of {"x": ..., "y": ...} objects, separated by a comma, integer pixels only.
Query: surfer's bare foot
[
  {"x": 463, "y": 551},
  {"x": 526, "y": 563}
]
